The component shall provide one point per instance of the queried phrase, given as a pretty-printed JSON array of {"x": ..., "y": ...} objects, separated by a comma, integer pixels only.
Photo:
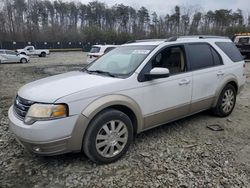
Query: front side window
[
  {"x": 121, "y": 61},
  {"x": 171, "y": 58},
  {"x": 10, "y": 53}
]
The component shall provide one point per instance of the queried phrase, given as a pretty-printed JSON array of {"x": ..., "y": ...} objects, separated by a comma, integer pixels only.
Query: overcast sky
[{"x": 163, "y": 7}]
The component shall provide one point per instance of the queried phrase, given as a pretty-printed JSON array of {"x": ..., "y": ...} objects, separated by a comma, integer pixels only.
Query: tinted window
[
  {"x": 95, "y": 49},
  {"x": 230, "y": 50},
  {"x": 200, "y": 56},
  {"x": 244, "y": 40},
  {"x": 10, "y": 52},
  {"x": 216, "y": 57},
  {"x": 108, "y": 49}
]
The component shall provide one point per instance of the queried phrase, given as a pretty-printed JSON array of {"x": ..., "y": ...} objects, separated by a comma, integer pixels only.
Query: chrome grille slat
[{"x": 21, "y": 106}]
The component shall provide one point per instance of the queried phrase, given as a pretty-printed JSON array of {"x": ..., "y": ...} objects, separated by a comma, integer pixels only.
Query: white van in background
[{"x": 97, "y": 51}]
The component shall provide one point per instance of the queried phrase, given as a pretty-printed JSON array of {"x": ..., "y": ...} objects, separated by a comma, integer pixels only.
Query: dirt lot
[{"x": 184, "y": 153}]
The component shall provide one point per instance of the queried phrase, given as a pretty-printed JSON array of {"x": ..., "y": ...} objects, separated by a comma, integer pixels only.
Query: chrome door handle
[
  {"x": 184, "y": 82},
  {"x": 220, "y": 73}
]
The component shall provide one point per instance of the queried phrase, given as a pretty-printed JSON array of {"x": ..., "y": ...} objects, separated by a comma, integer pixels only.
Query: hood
[{"x": 49, "y": 89}]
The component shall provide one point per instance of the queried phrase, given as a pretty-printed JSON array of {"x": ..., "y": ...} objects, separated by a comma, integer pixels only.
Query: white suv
[
  {"x": 135, "y": 87},
  {"x": 97, "y": 51}
]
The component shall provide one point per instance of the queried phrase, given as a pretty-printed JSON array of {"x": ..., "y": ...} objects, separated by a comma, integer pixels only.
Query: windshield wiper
[{"x": 100, "y": 72}]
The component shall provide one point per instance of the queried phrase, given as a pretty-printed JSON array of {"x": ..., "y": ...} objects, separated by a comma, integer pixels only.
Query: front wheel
[
  {"x": 108, "y": 136},
  {"x": 226, "y": 101},
  {"x": 23, "y": 60}
]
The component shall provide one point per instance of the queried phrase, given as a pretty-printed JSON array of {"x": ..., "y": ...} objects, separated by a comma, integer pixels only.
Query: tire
[
  {"x": 43, "y": 54},
  {"x": 98, "y": 144},
  {"x": 23, "y": 60},
  {"x": 225, "y": 105}
]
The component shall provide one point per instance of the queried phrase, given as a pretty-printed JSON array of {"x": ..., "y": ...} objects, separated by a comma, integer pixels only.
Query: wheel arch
[
  {"x": 227, "y": 80},
  {"x": 118, "y": 102}
]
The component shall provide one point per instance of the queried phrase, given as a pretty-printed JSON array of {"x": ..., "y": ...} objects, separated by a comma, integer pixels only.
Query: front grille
[{"x": 21, "y": 106}]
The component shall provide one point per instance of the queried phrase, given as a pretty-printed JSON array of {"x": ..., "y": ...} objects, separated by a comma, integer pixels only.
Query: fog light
[{"x": 37, "y": 149}]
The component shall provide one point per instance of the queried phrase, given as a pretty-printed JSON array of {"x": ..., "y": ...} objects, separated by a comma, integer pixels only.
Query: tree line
[{"x": 95, "y": 22}]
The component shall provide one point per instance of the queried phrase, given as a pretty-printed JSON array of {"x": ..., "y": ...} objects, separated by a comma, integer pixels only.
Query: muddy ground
[{"x": 184, "y": 153}]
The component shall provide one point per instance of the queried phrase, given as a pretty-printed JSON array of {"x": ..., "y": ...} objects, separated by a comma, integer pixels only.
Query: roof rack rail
[
  {"x": 145, "y": 40},
  {"x": 212, "y": 36},
  {"x": 171, "y": 39}
]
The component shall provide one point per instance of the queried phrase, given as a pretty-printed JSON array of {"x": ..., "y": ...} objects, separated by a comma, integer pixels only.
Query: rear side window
[
  {"x": 95, "y": 49},
  {"x": 244, "y": 40},
  {"x": 200, "y": 56},
  {"x": 230, "y": 50}
]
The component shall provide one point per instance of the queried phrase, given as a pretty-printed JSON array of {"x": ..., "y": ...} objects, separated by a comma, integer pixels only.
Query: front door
[
  {"x": 167, "y": 99},
  {"x": 12, "y": 56}
]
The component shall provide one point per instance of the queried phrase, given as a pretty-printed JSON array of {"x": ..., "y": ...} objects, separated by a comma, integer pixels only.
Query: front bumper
[{"x": 50, "y": 137}]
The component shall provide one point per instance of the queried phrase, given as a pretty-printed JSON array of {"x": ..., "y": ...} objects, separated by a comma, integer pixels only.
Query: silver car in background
[{"x": 9, "y": 56}]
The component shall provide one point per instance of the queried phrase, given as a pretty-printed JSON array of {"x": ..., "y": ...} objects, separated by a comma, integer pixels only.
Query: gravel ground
[{"x": 183, "y": 154}]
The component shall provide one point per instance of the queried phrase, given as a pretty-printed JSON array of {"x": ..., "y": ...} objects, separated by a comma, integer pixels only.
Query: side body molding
[{"x": 113, "y": 100}]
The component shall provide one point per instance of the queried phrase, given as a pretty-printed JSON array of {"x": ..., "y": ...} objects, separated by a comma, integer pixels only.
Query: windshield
[{"x": 121, "y": 61}]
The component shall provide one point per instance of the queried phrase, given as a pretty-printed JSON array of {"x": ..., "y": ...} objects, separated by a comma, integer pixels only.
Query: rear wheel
[
  {"x": 226, "y": 101},
  {"x": 23, "y": 60},
  {"x": 108, "y": 136},
  {"x": 43, "y": 54}
]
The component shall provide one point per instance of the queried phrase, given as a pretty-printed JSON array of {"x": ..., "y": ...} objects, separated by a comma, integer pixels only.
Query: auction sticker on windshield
[{"x": 140, "y": 51}]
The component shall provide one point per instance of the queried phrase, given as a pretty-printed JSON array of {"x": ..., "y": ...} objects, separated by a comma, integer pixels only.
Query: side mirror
[{"x": 156, "y": 73}]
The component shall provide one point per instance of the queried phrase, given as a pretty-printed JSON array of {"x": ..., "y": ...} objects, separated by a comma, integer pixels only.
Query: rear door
[
  {"x": 3, "y": 58},
  {"x": 206, "y": 66}
]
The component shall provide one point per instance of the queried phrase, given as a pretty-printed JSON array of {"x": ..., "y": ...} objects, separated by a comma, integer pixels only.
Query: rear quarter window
[
  {"x": 230, "y": 50},
  {"x": 95, "y": 49},
  {"x": 244, "y": 40}
]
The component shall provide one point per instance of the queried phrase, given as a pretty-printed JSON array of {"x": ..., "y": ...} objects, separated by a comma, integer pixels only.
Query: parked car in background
[
  {"x": 9, "y": 56},
  {"x": 97, "y": 51},
  {"x": 30, "y": 50},
  {"x": 133, "y": 88},
  {"x": 242, "y": 41}
]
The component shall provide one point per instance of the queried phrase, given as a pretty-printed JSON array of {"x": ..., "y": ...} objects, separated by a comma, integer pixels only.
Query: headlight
[{"x": 45, "y": 112}]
